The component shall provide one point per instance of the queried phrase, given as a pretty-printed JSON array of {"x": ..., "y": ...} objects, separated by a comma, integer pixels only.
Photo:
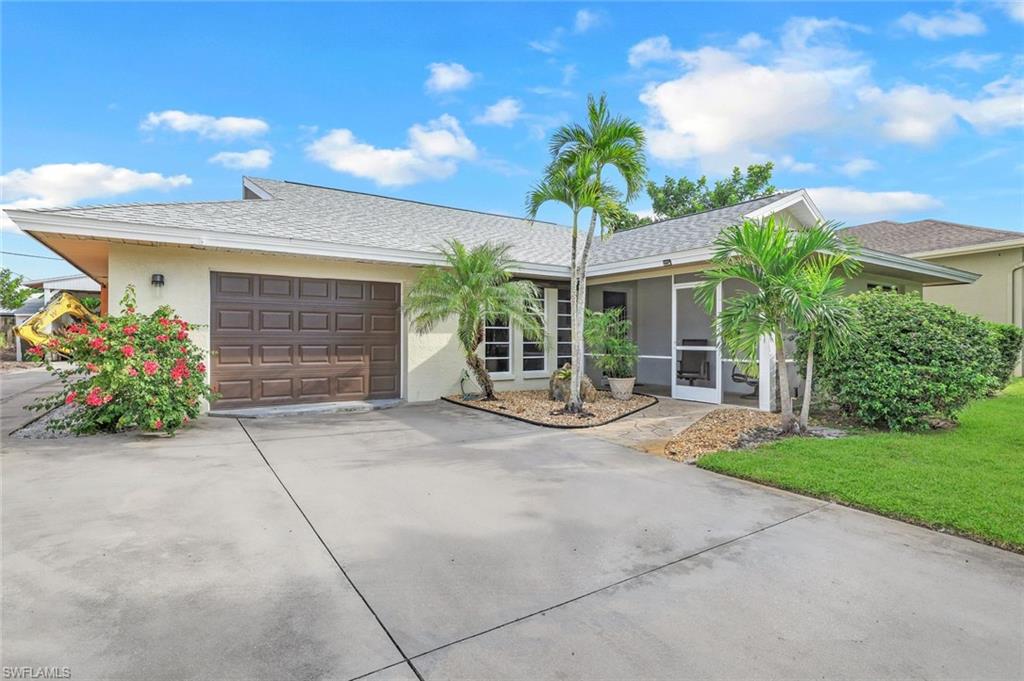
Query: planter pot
[{"x": 622, "y": 388}]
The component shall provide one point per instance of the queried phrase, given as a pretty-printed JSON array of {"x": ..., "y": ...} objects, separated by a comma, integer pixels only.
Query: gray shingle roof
[
  {"x": 676, "y": 234},
  {"x": 923, "y": 236},
  {"x": 335, "y": 216}
]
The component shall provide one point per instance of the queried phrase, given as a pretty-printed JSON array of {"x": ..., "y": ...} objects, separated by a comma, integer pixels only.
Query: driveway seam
[
  {"x": 405, "y": 658},
  {"x": 620, "y": 582}
]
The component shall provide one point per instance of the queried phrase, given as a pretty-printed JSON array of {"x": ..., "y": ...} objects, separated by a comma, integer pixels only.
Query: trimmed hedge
[
  {"x": 1009, "y": 340},
  {"x": 913, "y": 363}
]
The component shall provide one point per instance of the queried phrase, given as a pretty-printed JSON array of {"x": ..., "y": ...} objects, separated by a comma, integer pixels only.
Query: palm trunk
[
  {"x": 787, "y": 420},
  {"x": 476, "y": 364},
  {"x": 575, "y": 403},
  {"x": 805, "y": 410}
]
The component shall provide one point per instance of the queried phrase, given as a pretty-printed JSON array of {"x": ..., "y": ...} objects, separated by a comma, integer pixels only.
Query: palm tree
[
  {"x": 830, "y": 323},
  {"x": 773, "y": 258},
  {"x": 476, "y": 285},
  {"x": 581, "y": 152},
  {"x": 578, "y": 188}
]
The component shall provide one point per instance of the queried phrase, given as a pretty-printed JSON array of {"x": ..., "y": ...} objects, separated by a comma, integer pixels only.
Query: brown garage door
[{"x": 283, "y": 340}]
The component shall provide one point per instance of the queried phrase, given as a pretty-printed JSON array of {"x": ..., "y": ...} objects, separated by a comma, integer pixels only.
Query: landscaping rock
[{"x": 558, "y": 388}]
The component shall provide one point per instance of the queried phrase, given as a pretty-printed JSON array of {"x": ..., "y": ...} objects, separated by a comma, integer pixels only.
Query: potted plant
[{"x": 607, "y": 335}]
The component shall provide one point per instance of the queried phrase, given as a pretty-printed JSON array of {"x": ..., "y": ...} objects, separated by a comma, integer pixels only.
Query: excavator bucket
[{"x": 33, "y": 330}]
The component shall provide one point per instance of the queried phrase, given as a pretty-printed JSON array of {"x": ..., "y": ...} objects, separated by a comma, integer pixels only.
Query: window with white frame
[
  {"x": 563, "y": 329},
  {"x": 498, "y": 346},
  {"x": 534, "y": 358}
]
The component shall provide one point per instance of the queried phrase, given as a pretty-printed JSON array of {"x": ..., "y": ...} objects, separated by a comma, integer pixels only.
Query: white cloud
[
  {"x": 938, "y": 25},
  {"x": 658, "y": 48},
  {"x": 1014, "y": 9},
  {"x": 751, "y": 41},
  {"x": 243, "y": 160},
  {"x": 62, "y": 184},
  {"x": 847, "y": 202},
  {"x": 971, "y": 61},
  {"x": 857, "y": 166},
  {"x": 504, "y": 112},
  {"x": 548, "y": 45},
  {"x": 210, "y": 127},
  {"x": 812, "y": 44},
  {"x": 727, "y": 128},
  {"x": 433, "y": 153},
  {"x": 448, "y": 77},
  {"x": 919, "y": 115},
  {"x": 569, "y": 73},
  {"x": 787, "y": 162},
  {"x": 587, "y": 19}
]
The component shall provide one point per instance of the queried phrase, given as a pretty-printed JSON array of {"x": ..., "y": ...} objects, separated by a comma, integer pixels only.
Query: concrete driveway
[{"x": 437, "y": 542}]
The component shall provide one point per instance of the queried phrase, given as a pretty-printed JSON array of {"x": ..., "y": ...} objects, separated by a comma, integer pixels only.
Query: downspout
[{"x": 1013, "y": 304}]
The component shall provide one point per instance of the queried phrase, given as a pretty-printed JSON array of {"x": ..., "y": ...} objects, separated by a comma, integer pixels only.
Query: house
[
  {"x": 78, "y": 285},
  {"x": 996, "y": 255},
  {"x": 301, "y": 288}
]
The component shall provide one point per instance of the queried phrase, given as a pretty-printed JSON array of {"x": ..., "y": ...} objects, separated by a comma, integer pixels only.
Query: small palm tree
[
  {"x": 578, "y": 188},
  {"x": 830, "y": 323},
  {"x": 580, "y": 153},
  {"x": 476, "y": 285},
  {"x": 774, "y": 259}
]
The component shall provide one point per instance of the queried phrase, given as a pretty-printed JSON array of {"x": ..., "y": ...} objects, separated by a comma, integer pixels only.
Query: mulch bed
[
  {"x": 721, "y": 429},
  {"x": 535, "y": 407},
  {"x": 734, "y": 429}
]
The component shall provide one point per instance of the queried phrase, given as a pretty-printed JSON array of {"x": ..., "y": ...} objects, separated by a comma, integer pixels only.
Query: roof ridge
[
  {"x": 962, "y": 224},
  {"x": 132, "y": 204},
  {"x": 416, "y": 201},
  {"x": 709, "y": 210}
]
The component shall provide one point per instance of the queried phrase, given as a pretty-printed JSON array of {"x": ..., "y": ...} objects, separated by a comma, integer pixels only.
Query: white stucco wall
[{"x": 432, "y": 362}]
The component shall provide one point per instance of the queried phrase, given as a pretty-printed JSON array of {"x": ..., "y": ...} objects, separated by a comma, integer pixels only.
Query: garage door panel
[
  {"x": 276, "y": 355},
  {"x": 275, "y": 320},
  {"x": 287, "y": 339}
]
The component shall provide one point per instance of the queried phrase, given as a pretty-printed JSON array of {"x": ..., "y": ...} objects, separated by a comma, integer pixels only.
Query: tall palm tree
[
  {"x": 582, "y": 152},
  {"x": 578, "y": 188},
  {"x": 773, "y": 257},
  {"x": 830, "y": 322},
  {"x": 476, "y": 285}
]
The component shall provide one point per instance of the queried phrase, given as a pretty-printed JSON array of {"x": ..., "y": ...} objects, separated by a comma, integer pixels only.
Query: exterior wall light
[
  {"x": 157, "y": 280},
  {"x": 666, "y": 262}
]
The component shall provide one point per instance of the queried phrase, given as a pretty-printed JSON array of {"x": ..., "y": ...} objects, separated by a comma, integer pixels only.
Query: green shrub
[
  {"x": 913, "y": 363},
  {"x": 133, "y": 370},
  {"x": 1008, "y": 340},
  {"x": 607, "y": 337}
]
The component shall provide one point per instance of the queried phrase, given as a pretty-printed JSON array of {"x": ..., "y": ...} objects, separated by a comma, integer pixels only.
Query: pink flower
[
  {"x": 130, "y": 330},
  {"x": 164, "y": 321},
  {"x": 94, "y": 398},
  {"x": 130, "y": 309},
  {"x": 92, "y": 367},
  {"x": 163, "y": 337},
  {"x": 158, "y": 424},
  {"x": 201, "y": 368},
  {"x": 71, "y": 397},
  {"x": 182, "y": 335},
  {"x": 104, "y": 326},
  {"x": 150, "y": 367},
  {"x": 128, "y": 350},
  {"x": 97, "y": 344},
  {"x": 37, "y": 351},
  {"x": 183, "y": 349},
  {"x": 132, "y": 372}
]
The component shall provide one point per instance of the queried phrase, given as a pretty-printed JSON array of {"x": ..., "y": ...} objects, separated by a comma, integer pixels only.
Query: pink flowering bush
[{"x": 129, "y": 371}]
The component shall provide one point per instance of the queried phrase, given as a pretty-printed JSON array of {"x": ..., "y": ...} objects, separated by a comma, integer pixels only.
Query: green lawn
[{"x": 968, "y": 480}]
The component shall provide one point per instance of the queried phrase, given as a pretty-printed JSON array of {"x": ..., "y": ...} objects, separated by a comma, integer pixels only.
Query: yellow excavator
[{"x": 33, "y": 330}]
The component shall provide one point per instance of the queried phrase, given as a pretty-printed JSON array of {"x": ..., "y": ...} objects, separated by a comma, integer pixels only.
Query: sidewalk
[{"x": 18, "y": 388}]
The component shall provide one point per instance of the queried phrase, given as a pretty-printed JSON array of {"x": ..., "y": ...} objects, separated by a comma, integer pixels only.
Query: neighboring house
[
  {"x": 996, "y": 255},
  {"x": 301, "y": 288},
  {"x": 78, "y": 285},
  {"x": 13, "y": 318}
]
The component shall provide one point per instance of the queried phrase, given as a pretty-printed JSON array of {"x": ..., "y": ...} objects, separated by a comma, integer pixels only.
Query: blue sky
[{"x": 882, "y": 110}]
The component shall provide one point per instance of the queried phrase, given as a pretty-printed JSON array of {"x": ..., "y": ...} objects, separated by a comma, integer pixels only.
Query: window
[
  {"x": 564, "y": 329},
  {"x": 887, "y": 288},
  {"x": 534, "y": 358},
  {"x": 610, "y": 299},
  {"x": 498, "y": 346}
]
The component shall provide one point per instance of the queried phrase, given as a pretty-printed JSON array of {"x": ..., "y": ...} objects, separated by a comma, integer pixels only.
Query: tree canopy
[
  {"x": 12, "y": 294},
  {"x": 675, "y": 198}
]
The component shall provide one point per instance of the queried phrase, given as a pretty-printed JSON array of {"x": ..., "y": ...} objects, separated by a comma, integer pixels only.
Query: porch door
[{"x": 696, "y": 357}]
